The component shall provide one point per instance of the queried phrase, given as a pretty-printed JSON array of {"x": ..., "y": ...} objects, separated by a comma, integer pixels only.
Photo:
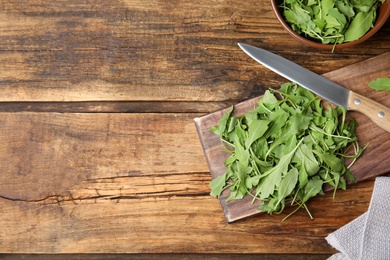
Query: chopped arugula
[
  {"x": 285, "y": 149},
  {"x": 331, "y": 21},
  {"x": 380, "y": 84}
]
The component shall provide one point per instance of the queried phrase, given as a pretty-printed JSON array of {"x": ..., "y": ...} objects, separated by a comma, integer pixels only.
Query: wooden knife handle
[{"x": 377, "y": 112}]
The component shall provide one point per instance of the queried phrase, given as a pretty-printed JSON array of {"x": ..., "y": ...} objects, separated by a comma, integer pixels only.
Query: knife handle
[{"x": 377, "y": 112}]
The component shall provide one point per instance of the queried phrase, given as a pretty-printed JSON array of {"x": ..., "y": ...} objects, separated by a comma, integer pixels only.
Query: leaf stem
[{"x": 316, "y": 128}]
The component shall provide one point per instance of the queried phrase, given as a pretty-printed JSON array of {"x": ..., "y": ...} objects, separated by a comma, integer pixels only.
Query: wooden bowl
[{"x": 382, "y": 15}]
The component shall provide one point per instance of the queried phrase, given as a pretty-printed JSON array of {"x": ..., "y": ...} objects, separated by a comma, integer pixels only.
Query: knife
[{"x": 321, "y": 86}]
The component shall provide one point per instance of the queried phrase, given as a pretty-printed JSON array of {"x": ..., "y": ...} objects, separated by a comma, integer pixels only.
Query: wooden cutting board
[{"x": 375, "y": 160}]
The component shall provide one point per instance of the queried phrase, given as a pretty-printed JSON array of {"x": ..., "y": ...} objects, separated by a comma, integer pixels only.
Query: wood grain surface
[
  {"x": 97, "y": 183},
  {"x": 99, "y": 151}
]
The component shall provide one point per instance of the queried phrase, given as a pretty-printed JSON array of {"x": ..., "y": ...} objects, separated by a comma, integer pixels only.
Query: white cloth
[{"x": 368, "y": 236}]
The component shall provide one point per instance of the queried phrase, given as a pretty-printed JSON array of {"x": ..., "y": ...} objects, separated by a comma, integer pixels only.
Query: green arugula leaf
[
  {"x": 360, "y": 25},
  {"x": 221, "y": 128},
  {"x": 345, "y": 8},
  {"x": 380, "y": 84},
  {"x": 241, "y": 153},
  {"x": 273, "y": 176},
  {"x": 305, "y": 157},
  {"x": 331, "y": 160},
  {"x": 287, "y": 184},
  {"x": 313, "y": 187},
  {"x": 217, "y": 185},
  {"x": 256, "y": 129}
]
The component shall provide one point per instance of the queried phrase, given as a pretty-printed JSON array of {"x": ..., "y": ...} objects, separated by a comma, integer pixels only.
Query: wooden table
[{"x": 99, "y": 151}]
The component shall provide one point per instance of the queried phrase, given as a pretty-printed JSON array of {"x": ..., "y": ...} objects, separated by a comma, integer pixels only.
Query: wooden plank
[
  {"x": 48, "y": 144},
  {"x": 115, "y": 107},
  {"x": 372, "y": 163},
  {"x": 135, "y": 183},
  {"x": 166, "y": 257},
  {"x": 55, "y": 51}
]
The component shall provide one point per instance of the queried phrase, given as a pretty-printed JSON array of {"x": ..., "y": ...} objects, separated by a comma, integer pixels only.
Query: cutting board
[{"x": 375, "y": 160}]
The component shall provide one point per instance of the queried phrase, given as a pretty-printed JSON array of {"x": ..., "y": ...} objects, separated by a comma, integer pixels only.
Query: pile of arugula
[
  {"x": 284, "y": 150},
  {"x": 331, "y": 21}
]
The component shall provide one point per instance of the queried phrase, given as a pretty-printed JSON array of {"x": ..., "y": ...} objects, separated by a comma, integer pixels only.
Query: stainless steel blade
[{"x": 319, "y": 85}]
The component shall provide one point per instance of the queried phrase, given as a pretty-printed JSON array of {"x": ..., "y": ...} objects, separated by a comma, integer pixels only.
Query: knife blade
[{"x": 329, "y": 90}]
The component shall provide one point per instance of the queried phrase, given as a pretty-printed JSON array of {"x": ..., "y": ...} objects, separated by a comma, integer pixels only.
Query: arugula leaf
[
  {"x": 360, "y": 25},
  {"x": 278, "y": 119},
  {"x": 305, "y": 158},
  {"x": 241, "y": 153},
  {"x": 217, "y": 185},
  {"x": 313, "y": 187},
  {"x": 221, "y": 128},
  {"x": 346, "y": 8},
  {"x": 256, "y": 129},
  {"x": 287, "y": 184},
  {"x": 273, "y": 176},
  {"x": 363, "y": 5},
  {"x": 380, "y": 84},
  {"x": 331, "y": 160}
]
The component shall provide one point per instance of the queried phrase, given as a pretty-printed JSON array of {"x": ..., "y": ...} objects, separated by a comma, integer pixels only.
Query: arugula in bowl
[{"x": 331, "y": 21}]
